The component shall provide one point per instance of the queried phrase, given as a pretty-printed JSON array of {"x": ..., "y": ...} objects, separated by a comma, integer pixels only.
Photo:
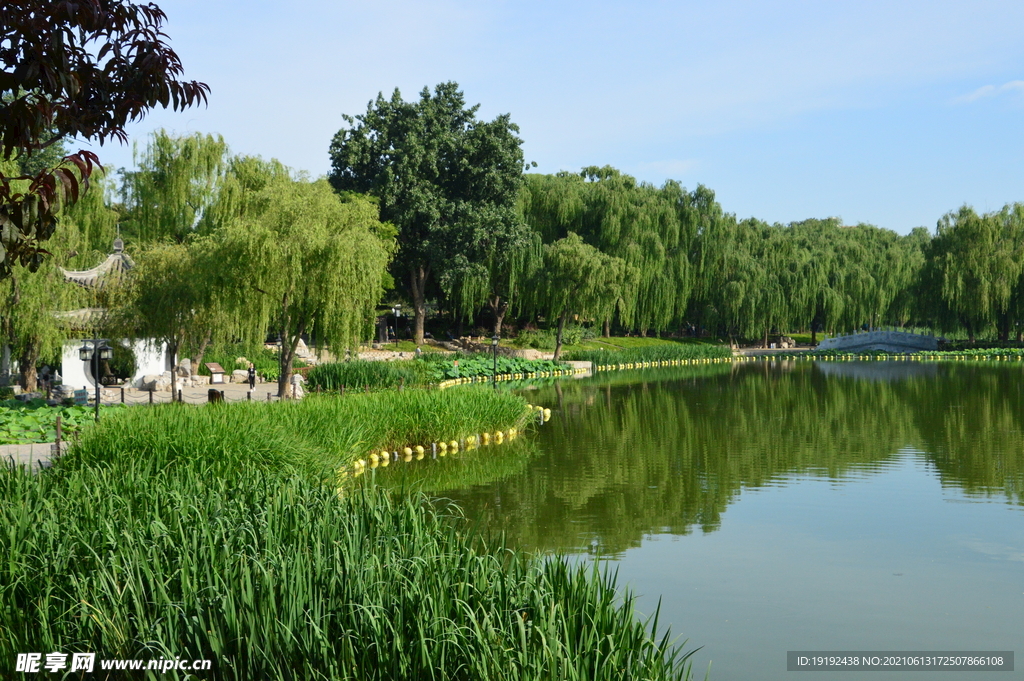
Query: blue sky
[{"x": 879, "y": 112}]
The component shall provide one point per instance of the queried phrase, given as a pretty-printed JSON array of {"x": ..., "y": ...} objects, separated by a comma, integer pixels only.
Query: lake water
[{"x": 778, "y": 506}]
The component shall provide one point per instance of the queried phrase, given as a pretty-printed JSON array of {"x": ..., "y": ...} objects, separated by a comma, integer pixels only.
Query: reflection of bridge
[{"x": 887, "y": 341}]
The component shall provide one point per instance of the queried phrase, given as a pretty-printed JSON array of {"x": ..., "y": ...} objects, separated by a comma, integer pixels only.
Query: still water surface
[{"x": 779, "y": 506}]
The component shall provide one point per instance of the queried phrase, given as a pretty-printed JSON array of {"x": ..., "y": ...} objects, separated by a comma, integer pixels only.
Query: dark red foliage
[{"x": 81, "y": 69}]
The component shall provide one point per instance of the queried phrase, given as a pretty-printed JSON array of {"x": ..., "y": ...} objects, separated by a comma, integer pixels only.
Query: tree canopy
[
  {"x": 308, "y": 263},
  {"x": 448, "y": 181}
]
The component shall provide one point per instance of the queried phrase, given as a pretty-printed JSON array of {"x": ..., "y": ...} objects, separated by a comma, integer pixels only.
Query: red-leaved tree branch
[{"x": 73, "y": 68}]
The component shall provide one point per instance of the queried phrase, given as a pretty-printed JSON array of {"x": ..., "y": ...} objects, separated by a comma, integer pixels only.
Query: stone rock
[
  {"x": 25, "y": 397},
  {"x": 239, "y": 376},
  {"x": 298, "y": 379},
  {"x": 302, "y": 350},
  {"x": 185, "y": 367},
  {"x": 200, "y": 380},
  {"x": 156, "y": 382},
  {"x": 62, "y": 392}
]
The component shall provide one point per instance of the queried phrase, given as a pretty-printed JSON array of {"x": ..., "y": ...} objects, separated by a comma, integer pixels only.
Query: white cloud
[{"x": 992, "y": 91}]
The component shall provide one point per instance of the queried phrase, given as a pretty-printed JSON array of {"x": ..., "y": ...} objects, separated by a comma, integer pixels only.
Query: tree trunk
[
  {"x": 285, "y": 355},
  {"x": 607, "y": 329},
  {"x": 558, "y": 337},
  {"x": 765, "y": 344},
  {"x": 172, "y": 348},
  {"x": 418, "y": 288},
  {"x": 1003, "y": 327},
  {"x": 814, "y": 335},
  {"x": 202, "y": 351},
  {"x": 499, "y": 307},
  {"x": 285, "y": 379},
  {"x": 27, "y": 368}
]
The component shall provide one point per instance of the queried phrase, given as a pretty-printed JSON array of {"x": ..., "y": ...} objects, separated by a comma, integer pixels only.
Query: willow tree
[
  {"x": 166, "y": 297},
  {"x": 30, "y": 321},
  {"x": 976, "y": 265},
  {"x": 448, "y": 181},
  {"x": 177, "y": 180},
  {"x": 309, "y": 263},
  {"x": 31, "y": 301},
  {"x": 580, "y": 280}
]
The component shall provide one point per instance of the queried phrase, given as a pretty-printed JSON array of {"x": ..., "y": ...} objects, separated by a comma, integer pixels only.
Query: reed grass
[
  {"x": 360, "y": 374},
  {"x": 274, "y": 576},
  {"x": 316, "y": 435}
]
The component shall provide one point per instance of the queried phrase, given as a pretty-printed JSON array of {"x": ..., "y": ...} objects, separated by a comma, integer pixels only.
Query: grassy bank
[
  {"x": 206, "y": 533},
  {"x": 425, "y": 370},
  {"x": 650, "y": 353}
]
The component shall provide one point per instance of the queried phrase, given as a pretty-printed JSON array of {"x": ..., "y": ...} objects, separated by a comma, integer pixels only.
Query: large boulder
[
  {"x": 240, "y": 376},
  {"x": 302, "y": 350},
  {"x": 156, "y": 382},
  {"x": 62, "y": 392},
  {"x": 185, "y": 367}
]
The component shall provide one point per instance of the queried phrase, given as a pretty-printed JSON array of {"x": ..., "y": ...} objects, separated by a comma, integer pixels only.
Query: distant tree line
[{"x": 427, "y": 203}]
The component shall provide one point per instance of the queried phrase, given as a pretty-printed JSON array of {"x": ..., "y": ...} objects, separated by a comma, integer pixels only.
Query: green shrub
[
  {"x": 546, "y": 339},
  {"x": 483, "y": 364},
  {"x": 266, "y": 361}
]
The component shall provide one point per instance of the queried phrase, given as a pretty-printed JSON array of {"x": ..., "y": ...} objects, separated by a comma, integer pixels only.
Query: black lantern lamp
[{"x": 94, "y": 353}]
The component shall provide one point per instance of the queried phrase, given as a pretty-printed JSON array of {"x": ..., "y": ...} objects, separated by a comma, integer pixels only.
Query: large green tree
[
  {"x": 974, "y": 269},
  {"x": 580, "y": 281},
  {"x": 177, "y": 180},
  {"x": 31, "y": 323},
  {"x": 305, "y": 261},
  {"x": 73, "y": 69},
  {"x": 447, "y": 180}
]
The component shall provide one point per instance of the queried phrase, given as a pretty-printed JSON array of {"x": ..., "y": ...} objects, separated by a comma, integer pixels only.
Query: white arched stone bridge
[{"x": 886, "y": 341}]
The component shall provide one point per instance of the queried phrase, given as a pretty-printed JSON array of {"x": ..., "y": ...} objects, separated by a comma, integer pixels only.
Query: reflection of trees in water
[
  {"x": 973, "y": 429},
  {"x": 653, "y": 452}
]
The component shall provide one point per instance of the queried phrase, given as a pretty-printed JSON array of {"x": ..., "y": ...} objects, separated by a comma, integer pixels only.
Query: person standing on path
[{"x": 252, "y": 376}]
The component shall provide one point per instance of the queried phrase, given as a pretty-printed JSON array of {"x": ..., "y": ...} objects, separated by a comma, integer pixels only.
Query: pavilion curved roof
[{"x": 117, "y": 263}]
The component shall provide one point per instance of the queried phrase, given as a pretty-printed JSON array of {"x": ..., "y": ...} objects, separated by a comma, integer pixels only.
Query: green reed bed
[
  {"x": 202, "y": 539},
  {"x": 318, "y": 434},
  {"x": 361, "y": 374},
  {"x": 650, "y": 354}
]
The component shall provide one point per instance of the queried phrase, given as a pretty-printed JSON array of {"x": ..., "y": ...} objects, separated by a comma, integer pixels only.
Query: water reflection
[{"x": 638, "y": 453}]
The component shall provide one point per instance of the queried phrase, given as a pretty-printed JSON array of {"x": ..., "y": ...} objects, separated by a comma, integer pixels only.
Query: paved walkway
[{"x": 35, "y": 456}]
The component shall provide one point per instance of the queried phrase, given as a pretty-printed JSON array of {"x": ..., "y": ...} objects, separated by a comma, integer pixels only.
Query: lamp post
[
  {"x": 397, "y": 309},
  {"x": 494, "y": 370},
  {"x": 94, "y": 353}
]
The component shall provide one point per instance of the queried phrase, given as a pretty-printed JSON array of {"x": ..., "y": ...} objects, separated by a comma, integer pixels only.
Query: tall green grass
[
  {"x": 198, "y": 533},
  {"x": 652, "y": 353},
  {"x": 359, "y": 374},
  {"x": 312, "y": 436}
]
